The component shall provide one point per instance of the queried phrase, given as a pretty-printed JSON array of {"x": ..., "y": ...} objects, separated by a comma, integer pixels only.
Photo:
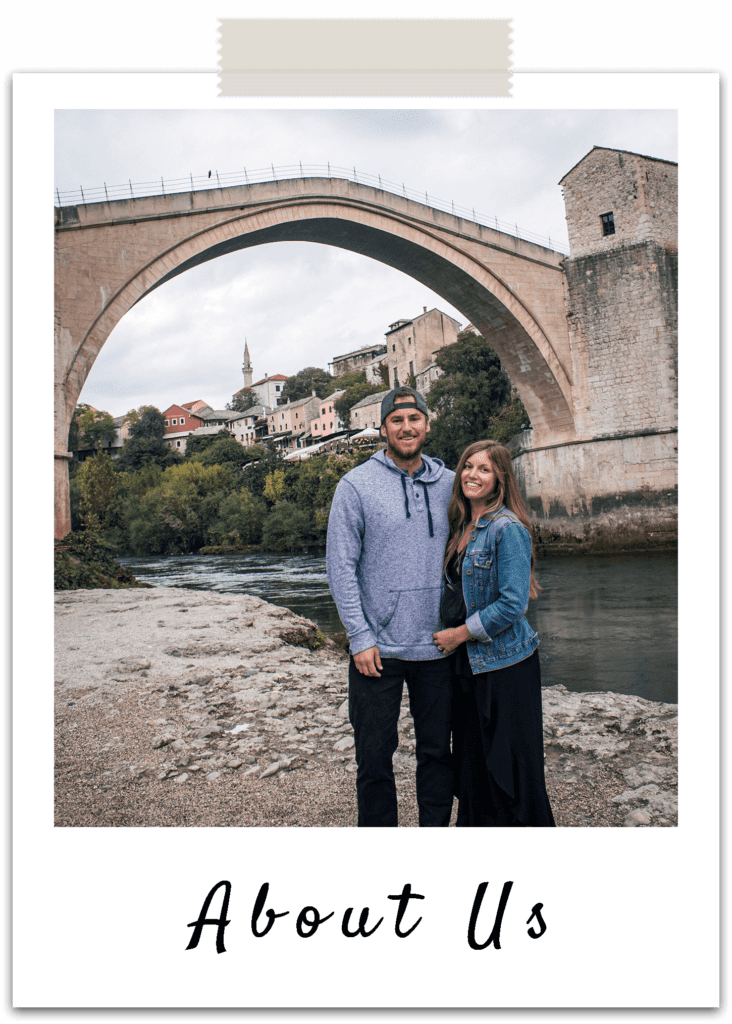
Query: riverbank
[{"x": 193, "y": 708}]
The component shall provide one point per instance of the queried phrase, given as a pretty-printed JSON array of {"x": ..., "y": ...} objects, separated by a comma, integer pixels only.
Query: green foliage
[
  {"x": 97, "y": 482},
  {"x": 145, "y": 445},
  {"x": 83, "y": 561},
  {"x": 307, "y": 380},
  {"x": 243, "y": 400},
  {"x": 257, "y": 471},
  {"x": 240, "y": 519},
  {"x": 255, "y": 452},
  {"x": 192, "y": 479},
  {"x": 469, "y": 398},
  {"x": 225, "y": 451},
  {"x": 197, "y": 444},
  {"x": 274, "y": 486},
  {"x": 90, "y": 429},
  {"x": 510, "y": 420},
  {"x": 356, "y": 388},
  {"x": 287, "y": 528},
  {"x": 147, "y": 421}
]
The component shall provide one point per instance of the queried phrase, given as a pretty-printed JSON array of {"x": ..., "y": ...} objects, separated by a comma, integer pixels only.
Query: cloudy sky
[{"x": 299, "y": 304}]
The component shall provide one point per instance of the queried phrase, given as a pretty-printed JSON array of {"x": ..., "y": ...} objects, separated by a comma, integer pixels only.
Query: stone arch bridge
[{"x": 109, "y": 255}]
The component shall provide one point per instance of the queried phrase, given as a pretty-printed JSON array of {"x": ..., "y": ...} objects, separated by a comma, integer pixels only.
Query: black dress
[{"x": 498, "y": 742}]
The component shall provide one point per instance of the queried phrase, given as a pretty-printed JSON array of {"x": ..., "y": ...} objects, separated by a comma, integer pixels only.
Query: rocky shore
[{"x": 189, "y": 708}]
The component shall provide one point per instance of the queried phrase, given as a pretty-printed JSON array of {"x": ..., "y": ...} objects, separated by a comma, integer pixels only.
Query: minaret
[{"x": 247, "y": 367}]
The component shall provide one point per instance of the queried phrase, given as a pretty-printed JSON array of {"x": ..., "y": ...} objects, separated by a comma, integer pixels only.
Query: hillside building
[
  {"x": 411, "y": 345},
  {"x": 357, "y": 360}
]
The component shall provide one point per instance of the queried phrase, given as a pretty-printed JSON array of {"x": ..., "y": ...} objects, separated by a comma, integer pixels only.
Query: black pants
[{"x": 374, "y": 704}]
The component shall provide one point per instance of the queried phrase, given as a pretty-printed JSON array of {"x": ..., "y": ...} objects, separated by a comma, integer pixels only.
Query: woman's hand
[{"x": 448, "y": 640}]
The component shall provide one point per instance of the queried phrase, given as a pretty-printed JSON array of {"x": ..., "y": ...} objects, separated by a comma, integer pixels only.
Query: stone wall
[
  {"x": 640, "y": 192},
  {"x": 614, "y": 486},
  {"x": 411, "y": 347},
  {"x": 622, "y": 312},
  {"x": 613, "y": 494}
]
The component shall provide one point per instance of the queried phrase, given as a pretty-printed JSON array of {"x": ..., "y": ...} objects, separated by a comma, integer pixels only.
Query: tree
[
  {"x": 90, "y": 429},
  {"x": 302, "y": 385},
  {"x": 469, "y": 398},
  {"x": 145, "y": 443},
  {"x": 240, "y": 520},
  {"x": 356, "y": 387},
  {"x": 98, "y": 482},
  {"x": 274, "y": 486},
  {"x": 287, "y": 528},
  {"x": 243, "y": 400},
  {"x": 197, "y": 444},
  {"x": 257, "y": 471},
  {"x": 225, "y": 451}
]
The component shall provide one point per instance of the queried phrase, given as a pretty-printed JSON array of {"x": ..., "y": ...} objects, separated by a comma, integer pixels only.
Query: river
[{"x": 605, "y": 623}]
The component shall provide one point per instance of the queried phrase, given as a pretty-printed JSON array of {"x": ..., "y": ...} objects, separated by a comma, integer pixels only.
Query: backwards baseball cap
[{"x": 388, "y": 404}]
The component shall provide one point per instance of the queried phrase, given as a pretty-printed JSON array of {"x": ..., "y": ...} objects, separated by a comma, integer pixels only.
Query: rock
[
  {"x": 639, "y": 816},
  {"x": 208, "y": 731},
  {"x": 162, "y": 741},
  {"x": 213, "y": 775},
  {"x": 344, "y": 744},
  {"x": 342, "y": 711},
  {"x": 134, "y": 664},
  {"x": 271, "y": 770},
  {"x": 182, "y": 778},
  {"x": 234, "y": 763}
]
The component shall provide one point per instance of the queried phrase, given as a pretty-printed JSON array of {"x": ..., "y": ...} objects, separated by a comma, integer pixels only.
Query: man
[{"x": 386, "y": 540}]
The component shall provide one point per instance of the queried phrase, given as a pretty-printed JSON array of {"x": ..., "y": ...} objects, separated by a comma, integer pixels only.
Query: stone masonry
[{"x": 615, "y": 486}]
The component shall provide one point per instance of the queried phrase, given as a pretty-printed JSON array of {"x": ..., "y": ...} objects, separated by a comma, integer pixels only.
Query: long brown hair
[{"x": 506, "y": 493}]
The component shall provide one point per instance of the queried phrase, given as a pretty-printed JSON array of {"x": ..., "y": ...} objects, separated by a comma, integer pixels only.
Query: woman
[{"x": 498, "y": 743}]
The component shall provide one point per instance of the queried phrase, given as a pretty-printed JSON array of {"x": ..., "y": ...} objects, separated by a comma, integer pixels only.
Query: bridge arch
[{"x": 110, "y": 255}]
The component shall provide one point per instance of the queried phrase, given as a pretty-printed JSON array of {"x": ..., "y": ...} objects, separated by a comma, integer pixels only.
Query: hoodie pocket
[{"x": 411, "y": 617}]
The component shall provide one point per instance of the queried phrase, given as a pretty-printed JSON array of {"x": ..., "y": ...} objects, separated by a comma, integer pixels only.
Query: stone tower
[
  {"x": 247, "y": 367},
  {"x": 621, "y": 299}
]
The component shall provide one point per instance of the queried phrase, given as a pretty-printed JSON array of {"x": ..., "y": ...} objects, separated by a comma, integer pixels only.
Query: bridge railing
[{"x": 253, "y": 176}]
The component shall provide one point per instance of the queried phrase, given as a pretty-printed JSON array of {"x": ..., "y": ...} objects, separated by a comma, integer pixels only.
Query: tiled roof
[
  {"x": 254, "y": 410},
  {"x": 377, "y": 347},
  {"x": 275, "y": 376},
  {"x": 218, "y": 414},
  {"x": 204, "y": 430},
  {"x": 371, "y": 400}
]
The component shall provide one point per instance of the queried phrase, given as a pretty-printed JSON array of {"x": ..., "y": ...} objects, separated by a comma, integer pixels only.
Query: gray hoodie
[{"x": 386, "y": 540}]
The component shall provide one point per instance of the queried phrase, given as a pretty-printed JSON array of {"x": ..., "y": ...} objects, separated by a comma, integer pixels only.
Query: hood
[{"x": 434, "y": 468}]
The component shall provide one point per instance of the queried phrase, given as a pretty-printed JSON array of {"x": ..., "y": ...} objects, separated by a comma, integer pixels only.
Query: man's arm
[{"x": 343, "y": 554}]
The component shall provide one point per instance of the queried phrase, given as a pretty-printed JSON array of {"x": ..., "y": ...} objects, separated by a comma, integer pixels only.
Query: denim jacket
[{"x": 496, "y": 573}]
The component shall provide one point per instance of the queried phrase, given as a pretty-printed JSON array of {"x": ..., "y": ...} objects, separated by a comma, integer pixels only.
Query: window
[
  {"x": 182, "y": 420},
  {"x": 177, "y": 444},
  {"x": 411, "y": 369},
  {"x": 608, "y": 224},
  {"x": 167, "y": 423},
  {"x": 174, "y": 422},
  {"x": 393, "y": 348},
  {"x": 277, "y": 387},
  {"x": 409, "y": 341}
]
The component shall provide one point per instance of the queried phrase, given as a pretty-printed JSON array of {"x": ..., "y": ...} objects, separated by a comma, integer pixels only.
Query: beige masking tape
[{"x": 365, "y": 57}]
